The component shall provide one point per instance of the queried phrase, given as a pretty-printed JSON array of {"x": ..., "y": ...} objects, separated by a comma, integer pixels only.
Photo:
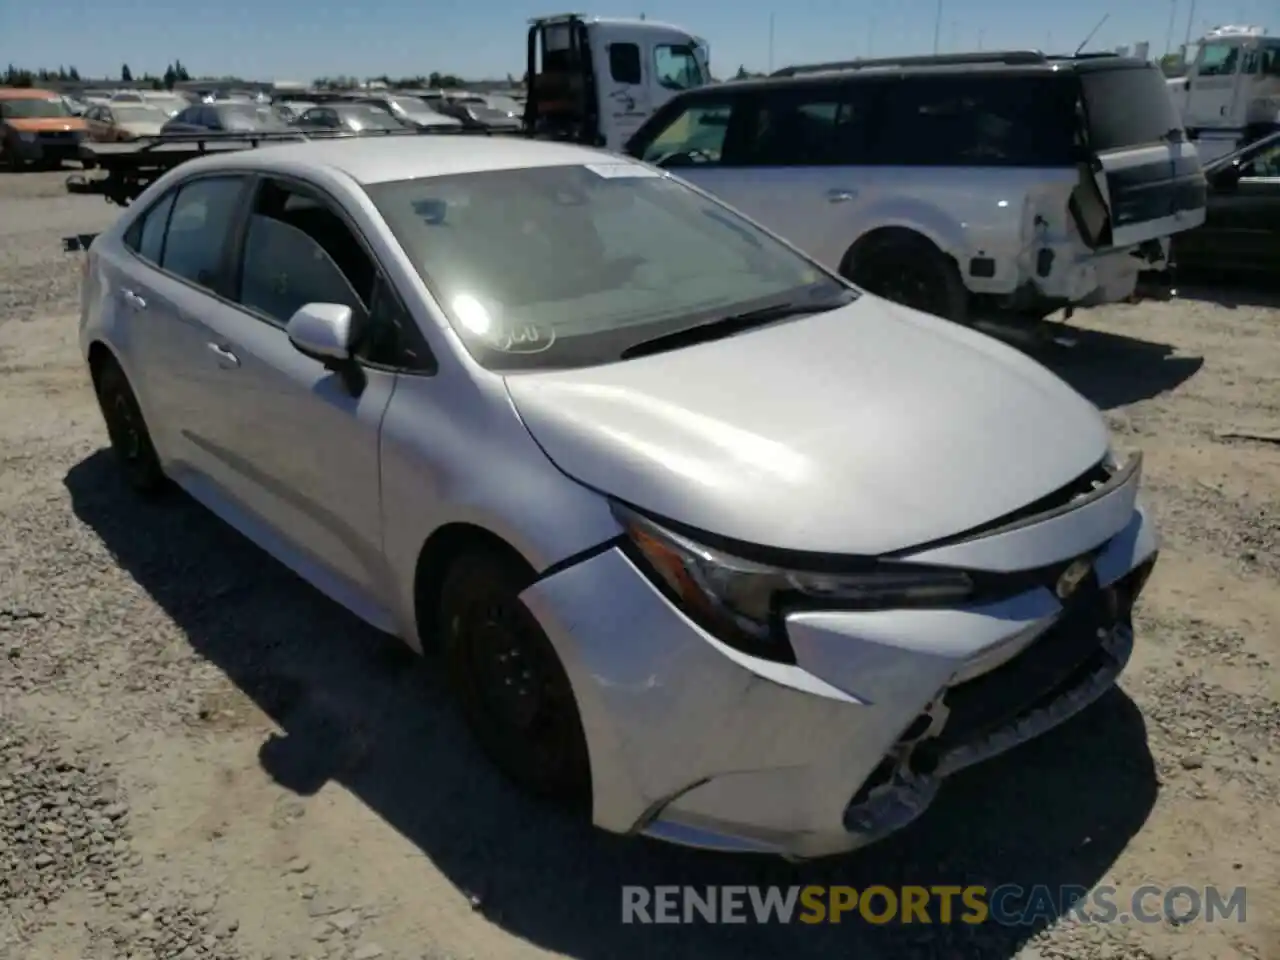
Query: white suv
[{"x": 993, "y": 183}]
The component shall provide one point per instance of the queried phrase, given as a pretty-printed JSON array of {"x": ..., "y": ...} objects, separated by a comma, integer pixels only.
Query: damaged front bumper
[{"x": 696, "y": 743}]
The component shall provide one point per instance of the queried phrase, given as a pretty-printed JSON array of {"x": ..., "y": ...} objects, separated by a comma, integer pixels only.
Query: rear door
[
  {"x": 788, "y": 157},
  {"x": 1146, "y": 170}
]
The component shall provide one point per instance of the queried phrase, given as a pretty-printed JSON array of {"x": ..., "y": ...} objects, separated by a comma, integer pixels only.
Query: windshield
[
  {"x": 411, "y": 105},
  {"x": 33, "y": 108},
  {"x": 505, "y": 105},
  {"x": 124, "y": 113},
  {"x": 250, "y": 116},
  {"x": 570, "y": 265},
  {"x": 370, "y": 118}
]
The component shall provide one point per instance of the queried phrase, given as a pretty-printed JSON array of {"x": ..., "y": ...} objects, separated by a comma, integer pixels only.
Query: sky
[{"x": 303, "y": 39}]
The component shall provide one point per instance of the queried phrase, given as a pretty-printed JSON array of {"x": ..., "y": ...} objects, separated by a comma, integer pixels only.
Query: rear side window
[
  {"x": 151, "y": 230},
  {"x": 976, "y": 121},
  {"x": 624, "y": 62},
  {"x": 1128, "y": 108},
  {"x": 805, "y": 127},
  {"x": 198, "y": 229}
]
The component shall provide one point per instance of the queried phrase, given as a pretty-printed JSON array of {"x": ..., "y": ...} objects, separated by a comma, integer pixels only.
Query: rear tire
[
  {"x": 908, "y": 269},
  {"x": 509, "y": 683},
  {"x": 130, "y": 438}
]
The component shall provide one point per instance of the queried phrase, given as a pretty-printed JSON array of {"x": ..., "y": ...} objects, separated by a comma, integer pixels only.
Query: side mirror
[
  {"x": 327, "y": 332},
  {"x": 322, "y": 331},
  {"x": 1227, "y": 179}
]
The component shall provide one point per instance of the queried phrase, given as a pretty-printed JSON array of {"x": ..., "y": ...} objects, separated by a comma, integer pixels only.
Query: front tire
[
  {"x": 509, "y": 683},
  {"x": 130, "y": 438}
]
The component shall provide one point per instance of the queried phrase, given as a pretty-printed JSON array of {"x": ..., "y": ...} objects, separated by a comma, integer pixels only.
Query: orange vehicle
[{"x": 37, "y": 127}]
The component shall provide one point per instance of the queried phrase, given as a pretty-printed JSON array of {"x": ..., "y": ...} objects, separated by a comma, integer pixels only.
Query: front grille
[{"x": 1065, "y": 650}]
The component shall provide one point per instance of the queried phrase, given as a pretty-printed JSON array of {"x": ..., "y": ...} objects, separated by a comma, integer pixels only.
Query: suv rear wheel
[{"x": 906, "y": 268}]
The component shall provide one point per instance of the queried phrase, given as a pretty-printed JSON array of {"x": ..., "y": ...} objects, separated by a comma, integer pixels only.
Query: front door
[
  {"x": 1214, "y": 86},
  {"x": 298, "y": 440}
]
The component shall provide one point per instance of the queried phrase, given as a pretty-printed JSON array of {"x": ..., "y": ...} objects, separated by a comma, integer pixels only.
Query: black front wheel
[
  {"x": 130, "y": 439},
  {"x": 509, "y": 682}
]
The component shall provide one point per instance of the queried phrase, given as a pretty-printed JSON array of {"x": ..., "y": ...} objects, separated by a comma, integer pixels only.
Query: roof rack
[{"x": 1005, "y": 57}]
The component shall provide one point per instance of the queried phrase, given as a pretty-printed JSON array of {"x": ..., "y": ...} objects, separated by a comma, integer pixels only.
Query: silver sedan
[{"x": 715, "y": 547}]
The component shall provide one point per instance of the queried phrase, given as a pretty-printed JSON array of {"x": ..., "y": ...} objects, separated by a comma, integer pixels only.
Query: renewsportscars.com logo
[{"x": 1006, "y": 905}]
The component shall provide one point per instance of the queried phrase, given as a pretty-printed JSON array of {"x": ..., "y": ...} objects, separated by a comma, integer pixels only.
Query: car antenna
[{"x": 1085, "y": 41}]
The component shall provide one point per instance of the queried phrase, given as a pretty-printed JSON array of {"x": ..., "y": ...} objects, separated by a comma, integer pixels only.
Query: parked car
[
  {"x": 124, "y": 121},
  {"x": 37, "y": 127},
  {"x": 354, "y": 117},
  {"x": 226, "y": 116},
  {"x": 665, "y": 491},
  {"x": 409, "y": 110},
  {"x": 1241, "y": 232},
  {"x": 171, "y": 103},
  {"x": 291, "y": 110},
  {"x": 476, "y": 113},
  {"x": 952, "y": 184}
]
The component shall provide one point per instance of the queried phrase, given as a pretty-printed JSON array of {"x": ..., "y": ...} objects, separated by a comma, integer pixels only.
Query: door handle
[
  {"x": 841, "y": 196},
  {"x": 226, "y": 359},
  {"x": 133, "y": 299}
]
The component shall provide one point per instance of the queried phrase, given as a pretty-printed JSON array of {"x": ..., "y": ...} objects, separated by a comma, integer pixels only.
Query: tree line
[{"x": 23, "y": 77}]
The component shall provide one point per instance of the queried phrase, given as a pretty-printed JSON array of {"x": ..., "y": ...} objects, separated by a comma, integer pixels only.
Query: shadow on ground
[
  {"x": 357, "y": 708},
  {"x": 1110, "y": 369}
]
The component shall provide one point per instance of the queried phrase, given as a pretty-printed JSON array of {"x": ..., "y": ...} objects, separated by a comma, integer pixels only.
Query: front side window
[
  {"x": 300, "y": 250},
  {"x": 1219, "y": 59},
  {"x": 695, "y": 136},
  {"x": 198, "y": 229},
  {"x": 1264, "y": 164},
  {"x": 805, "y": 128},
  {"x": 624, "y": 62},
  {"x": 569, "y": 265},
  {"x": 676, "y": 66}
]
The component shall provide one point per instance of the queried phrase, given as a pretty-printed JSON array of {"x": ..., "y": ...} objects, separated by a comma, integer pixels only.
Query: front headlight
[
  {"x": 742, "y": 602},
  {"x": 26, "y": 136}
]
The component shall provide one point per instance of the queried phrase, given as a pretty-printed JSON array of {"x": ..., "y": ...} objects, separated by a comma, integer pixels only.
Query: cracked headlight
[{"x": 742, "y": 602}]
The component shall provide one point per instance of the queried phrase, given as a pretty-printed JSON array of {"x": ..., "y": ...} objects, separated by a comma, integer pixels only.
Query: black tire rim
[
  {"x": 518, "y": 693},
  {"x": 124, "y": 427}
]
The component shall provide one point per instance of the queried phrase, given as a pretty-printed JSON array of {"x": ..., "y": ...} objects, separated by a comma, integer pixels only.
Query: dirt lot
[{"x": 202, "y": 757}]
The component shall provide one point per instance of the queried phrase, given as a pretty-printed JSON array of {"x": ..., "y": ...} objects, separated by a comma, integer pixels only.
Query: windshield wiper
[{"x": 726, "y": 326}]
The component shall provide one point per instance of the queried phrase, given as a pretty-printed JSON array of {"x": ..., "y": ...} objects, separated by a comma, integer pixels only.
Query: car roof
[
  {"x": 1019, "y": 63},
  {"x": 26, "y": 93},
  {"x": 384, "y": 159}
]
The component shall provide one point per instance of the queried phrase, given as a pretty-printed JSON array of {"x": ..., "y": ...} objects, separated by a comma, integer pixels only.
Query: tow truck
[
  {"x": 591, "y": 80},
  {"x": 1230, "y": 94}
]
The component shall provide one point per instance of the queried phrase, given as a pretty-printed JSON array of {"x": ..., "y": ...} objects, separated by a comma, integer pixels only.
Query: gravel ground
[{"x": 200, "y": 757}]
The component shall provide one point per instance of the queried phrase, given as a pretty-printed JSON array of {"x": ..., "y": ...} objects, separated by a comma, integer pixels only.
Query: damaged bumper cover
[{"x": 697, "y": 743}]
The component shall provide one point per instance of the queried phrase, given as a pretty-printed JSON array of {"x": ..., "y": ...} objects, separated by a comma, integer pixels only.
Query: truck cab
[
  {"x": 595, "y": 80},
  {"x": 1230, "y": 95}
]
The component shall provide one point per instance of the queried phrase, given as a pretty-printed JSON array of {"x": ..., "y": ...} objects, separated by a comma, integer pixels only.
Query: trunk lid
[{"x": 1146, "y": 172}]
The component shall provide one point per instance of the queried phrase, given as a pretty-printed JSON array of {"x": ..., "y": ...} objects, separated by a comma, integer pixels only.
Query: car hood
[
  {"x": 45, "y": 124},
  {"x": 862, "y": 430}
]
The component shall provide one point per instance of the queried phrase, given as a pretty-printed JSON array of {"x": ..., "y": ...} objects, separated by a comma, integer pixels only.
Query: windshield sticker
[
  {"x": 618, "y": 171},
  {"x": 525, "y": 339}
]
